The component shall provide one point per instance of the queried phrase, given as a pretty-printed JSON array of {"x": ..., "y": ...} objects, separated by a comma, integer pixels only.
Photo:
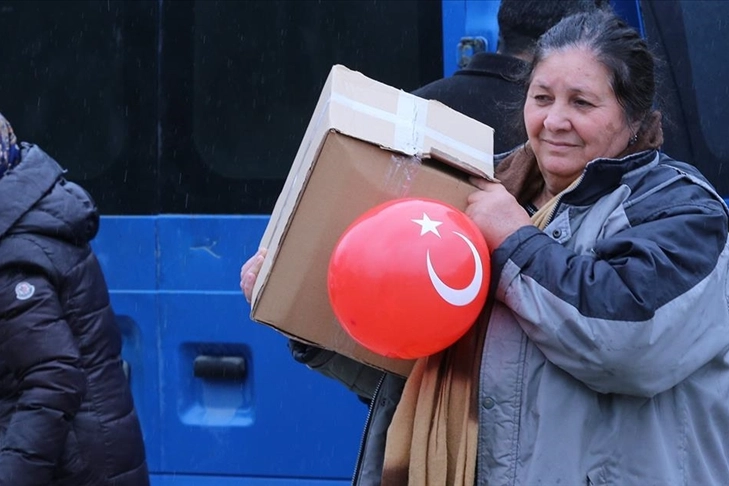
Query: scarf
[
  {"x": 9, "y": 151},
  {"x": 433, "y": 437}
]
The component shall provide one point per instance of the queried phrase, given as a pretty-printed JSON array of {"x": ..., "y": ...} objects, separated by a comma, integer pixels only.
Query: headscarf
[{"x": 9, "y": 150}]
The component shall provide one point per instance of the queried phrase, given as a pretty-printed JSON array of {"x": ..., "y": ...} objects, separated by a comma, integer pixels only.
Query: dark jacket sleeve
[
  {"x": 357, "y": 377},
  {"x": 38, "y": 348}
]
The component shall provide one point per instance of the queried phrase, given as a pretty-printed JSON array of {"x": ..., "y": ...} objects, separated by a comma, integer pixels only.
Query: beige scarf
[{"x": 433, "y": 437}]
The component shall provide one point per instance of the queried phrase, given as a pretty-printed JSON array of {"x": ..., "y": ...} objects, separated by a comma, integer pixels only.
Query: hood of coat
[{"x": 36, "y": 199}]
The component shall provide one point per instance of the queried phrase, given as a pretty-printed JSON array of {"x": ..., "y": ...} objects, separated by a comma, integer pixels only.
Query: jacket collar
[
  {"x": 519, "y": 173},
  {"x": 494, "y": 65},
  {"x": 604, "y": 175}
]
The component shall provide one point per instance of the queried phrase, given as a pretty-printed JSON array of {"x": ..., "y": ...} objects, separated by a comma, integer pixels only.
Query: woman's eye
[
  {"x": 541, "y": 98},
  {"x": 580, "y": 102}
]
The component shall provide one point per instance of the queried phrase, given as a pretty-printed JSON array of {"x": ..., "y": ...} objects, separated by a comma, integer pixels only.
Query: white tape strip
[
  {"x": 362, "y": 108},
  {"x": 412, "y": 112},
  {"x": 417, "y": 135}
]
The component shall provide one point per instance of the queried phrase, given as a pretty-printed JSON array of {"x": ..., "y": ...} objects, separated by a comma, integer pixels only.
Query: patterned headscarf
[{"x": 9, "y": 150}]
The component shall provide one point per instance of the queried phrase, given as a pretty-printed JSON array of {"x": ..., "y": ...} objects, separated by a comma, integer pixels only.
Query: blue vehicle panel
[
  {"x": 177, "y": 480},
  {"x": 269, "y": 418}
]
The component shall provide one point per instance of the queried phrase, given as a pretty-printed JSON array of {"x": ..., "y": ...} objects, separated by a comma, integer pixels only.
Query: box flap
[{"x": 402, "y": 122}]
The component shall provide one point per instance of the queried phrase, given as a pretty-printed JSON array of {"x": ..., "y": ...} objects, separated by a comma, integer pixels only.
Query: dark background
[{"x": 194, "y": 107}]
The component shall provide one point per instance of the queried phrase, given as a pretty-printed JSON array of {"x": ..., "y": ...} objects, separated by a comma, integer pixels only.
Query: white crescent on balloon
[{"x": 458, "y": 297}]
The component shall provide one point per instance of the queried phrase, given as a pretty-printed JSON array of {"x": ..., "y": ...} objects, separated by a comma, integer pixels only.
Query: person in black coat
[
  {"x": 66, "y": 412},
  {"x": 485, "y": 89}
]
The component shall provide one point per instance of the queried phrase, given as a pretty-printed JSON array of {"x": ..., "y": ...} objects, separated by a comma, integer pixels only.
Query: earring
[{"x": 633, "y": 139}]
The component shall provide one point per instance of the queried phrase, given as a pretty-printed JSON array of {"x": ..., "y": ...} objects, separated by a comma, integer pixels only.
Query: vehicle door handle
[
  {"x": 220, "y": 367},
  {"x": 127, "y": 370}
]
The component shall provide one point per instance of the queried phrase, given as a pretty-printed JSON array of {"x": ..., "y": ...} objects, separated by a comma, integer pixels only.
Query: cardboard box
[{"x": 366, "y": 143}]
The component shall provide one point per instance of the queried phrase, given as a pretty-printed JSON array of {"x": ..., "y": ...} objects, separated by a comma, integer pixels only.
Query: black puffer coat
[{"x": 66, "y": 411}]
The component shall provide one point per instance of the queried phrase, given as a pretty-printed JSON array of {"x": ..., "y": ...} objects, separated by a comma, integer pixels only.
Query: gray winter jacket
[{"x": 607, "y": 355}]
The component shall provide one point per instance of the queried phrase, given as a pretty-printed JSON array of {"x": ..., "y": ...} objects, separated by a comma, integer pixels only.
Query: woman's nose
[{"x": 557, "y": 119}]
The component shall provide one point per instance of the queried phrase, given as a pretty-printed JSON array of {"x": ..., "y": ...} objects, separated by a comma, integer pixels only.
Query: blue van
[{"x": 182, "y": 118}]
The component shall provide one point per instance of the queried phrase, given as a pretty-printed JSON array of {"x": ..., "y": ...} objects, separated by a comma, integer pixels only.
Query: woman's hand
[
  {"x": 496, "y": 212},
  {"x": 249, "y": 273}
]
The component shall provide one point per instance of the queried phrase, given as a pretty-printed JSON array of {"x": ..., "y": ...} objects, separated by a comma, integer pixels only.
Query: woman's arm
[
  {"x": 643, "y": 310},
  {"x": 38, "y": 348}
]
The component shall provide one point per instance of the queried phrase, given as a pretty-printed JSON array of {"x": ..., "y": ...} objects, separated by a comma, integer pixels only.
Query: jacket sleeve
[
  {"x": 38, "y": 348},
  {"x": 357, "y": 377},
  {"x": 636, "y": 314}
]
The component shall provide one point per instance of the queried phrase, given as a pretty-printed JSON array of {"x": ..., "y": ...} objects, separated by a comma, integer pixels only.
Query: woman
[
  {"x": 66, "y": 411},
  {"x": 606, "y": 358},
  {"x": 606, "y": 351}
]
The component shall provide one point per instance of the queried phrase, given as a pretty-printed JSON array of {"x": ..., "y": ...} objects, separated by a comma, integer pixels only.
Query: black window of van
[
  {"x": 194, "y": 106},
  {"x": 79, "y": 80},
  {"x": 241, "y": 79}
]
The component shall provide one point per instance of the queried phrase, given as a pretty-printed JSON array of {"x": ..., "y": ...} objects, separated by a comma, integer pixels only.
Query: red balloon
[{"x": 409, "y": 277}]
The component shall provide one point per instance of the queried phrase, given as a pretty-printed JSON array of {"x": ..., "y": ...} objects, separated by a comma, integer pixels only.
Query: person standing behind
[
  {"x": 486, "y": 89},
  {"x": 66, "y": 412}
]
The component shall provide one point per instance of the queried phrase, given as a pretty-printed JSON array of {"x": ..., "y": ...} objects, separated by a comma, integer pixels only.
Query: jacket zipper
[
  {"x": 559, "y": 201},
  {"x": 363, "y": 440}
]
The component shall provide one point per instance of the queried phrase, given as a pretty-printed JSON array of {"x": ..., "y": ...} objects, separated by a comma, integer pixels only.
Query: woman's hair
[{"x": 614, "y": 44}]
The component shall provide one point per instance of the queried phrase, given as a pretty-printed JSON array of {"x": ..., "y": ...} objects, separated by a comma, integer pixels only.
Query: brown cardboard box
[{"x": 366, "y": 143}]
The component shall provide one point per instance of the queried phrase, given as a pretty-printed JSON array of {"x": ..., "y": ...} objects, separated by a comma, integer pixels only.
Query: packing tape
[
  {"x": 409, "y": 121},
  {"x": 412, "y": 113},
  {"x": 401, "y": 174}
]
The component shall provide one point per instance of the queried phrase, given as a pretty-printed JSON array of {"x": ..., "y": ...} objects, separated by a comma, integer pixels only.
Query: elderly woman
[
  {"x": 66, "y": 411},
  {"x": 606, "y": 356},
  {"x": 603, "y": 357}
]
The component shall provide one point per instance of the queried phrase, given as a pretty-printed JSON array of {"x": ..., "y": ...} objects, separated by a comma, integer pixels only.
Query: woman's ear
[{"x": 634, "y": 128}]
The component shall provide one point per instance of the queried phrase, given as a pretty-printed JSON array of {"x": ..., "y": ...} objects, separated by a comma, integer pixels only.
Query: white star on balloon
[{"x": 427, "y": 225}]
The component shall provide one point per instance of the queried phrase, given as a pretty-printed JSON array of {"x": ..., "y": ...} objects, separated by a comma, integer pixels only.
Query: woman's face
[{"x": 572, "y": 116}]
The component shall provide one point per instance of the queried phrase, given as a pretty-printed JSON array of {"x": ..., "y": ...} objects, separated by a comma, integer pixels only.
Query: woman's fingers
[
  {"x": 249, "y": 272},
  {"x": 495, "y": 212}
]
